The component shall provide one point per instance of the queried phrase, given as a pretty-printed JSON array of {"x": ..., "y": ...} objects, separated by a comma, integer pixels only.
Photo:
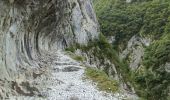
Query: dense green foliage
[
  {"x": 124, "y": 20},
  {"x": 146, "y": 18},
  {"x": 102, "y": 80},
  {"x": 154, "y": 78}
]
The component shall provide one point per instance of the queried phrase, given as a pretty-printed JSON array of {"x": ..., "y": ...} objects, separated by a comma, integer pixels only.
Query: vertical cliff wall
[{"x": 31, "y": 28}]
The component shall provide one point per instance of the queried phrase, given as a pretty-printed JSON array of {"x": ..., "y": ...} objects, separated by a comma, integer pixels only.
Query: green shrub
[
  {"x": 71, "y": 49},
  {"x": 103, "y": 81},
  {"x": 79, "y": 58}
]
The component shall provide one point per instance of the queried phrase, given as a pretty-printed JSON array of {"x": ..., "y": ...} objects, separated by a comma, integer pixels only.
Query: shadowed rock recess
[{"x": 30, "y": 30}]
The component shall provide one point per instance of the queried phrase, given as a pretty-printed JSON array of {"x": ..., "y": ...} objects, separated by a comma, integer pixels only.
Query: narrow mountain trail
[{"x": 66, "y": 82}]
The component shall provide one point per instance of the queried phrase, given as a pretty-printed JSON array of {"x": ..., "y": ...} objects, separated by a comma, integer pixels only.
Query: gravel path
[{"x": 66, "y": 82}]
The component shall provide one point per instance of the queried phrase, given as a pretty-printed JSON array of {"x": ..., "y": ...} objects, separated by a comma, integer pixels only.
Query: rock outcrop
[
  {"x": 31, "y": 28},
  {"x": 134, "y": 51}
]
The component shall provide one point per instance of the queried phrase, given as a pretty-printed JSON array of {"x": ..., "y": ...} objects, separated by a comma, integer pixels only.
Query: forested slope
[{"x": 143, "y": 19}]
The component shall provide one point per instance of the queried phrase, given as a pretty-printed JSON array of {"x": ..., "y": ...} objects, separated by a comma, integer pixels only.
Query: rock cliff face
[
  {"x": 134, "y": 51},
  {"x": 31, "y": 28}
]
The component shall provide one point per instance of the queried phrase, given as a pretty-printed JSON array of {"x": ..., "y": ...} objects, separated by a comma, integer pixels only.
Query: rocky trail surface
[{"x": 65, "y": 81}]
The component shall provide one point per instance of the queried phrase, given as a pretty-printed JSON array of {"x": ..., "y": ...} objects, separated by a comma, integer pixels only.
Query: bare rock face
[
  {"x": 28, "y": 28},
  {"x": 135, "y": 51}
]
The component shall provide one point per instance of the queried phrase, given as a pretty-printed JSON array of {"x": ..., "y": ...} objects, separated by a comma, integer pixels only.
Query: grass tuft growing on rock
[
  {"x": 71, "y": 49},
  {"x": 104, "y": 83},
  {"x": 78, "y": 58}
]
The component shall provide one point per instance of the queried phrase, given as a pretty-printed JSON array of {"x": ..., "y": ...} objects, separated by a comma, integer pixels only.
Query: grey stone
[
  {"x": 135, "y": 51},
  {"x": 31, "y": 29},
  {"x": 70, "y": 69}
]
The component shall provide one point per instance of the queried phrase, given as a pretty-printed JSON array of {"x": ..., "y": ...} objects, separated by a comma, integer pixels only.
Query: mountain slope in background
[{"x": 139, "y": 30}]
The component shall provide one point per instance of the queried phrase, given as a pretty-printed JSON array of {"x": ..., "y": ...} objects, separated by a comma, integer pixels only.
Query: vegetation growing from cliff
[
  {"x": 101, "y": 78},
  {"x": 154, "y": 79},
  {"x": 102, "y": 50},
  {"x": 146, "y": 18}
]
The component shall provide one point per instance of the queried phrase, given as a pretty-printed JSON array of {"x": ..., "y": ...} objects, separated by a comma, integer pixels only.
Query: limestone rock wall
[{"x": 28, "y": 28}]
